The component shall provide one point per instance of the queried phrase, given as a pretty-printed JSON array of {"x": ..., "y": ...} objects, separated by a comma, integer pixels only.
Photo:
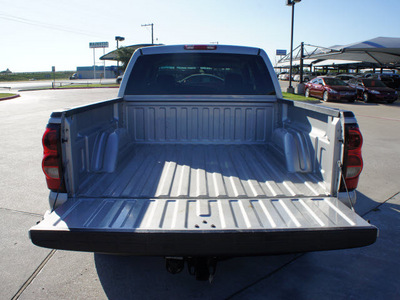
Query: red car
[
  {"x": 330, "y": 88},
  {"x": 373, "y": 90}
]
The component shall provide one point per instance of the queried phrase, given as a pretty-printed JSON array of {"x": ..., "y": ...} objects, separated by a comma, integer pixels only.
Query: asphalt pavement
[{"x": 30, "y": 272}]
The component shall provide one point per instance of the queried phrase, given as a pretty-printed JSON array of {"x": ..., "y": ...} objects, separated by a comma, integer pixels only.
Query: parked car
[
  {"x": 345, "y": 77},
  {"x": 373, "y": 90},
  {"x": 307, "y": 76},
  {"x": 279, "y": 73},
  {"x": 310, "y": 75},
  {"x": 119, "y": 79},
  {"x": 392, "y": 75},
  {"x": 330, "y": 88},
  {"x": 296, "y": 77},
  {"x": 390, "y": 79},
  {"x": 74, "y": 76},
  {"x": 284, "y": 76},
  {"x": 332, "y": 74}
]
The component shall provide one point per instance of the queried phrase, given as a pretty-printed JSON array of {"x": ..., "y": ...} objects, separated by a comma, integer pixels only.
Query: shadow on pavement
[
  {"x": 370, "y": 272},
  {"x": 128, "y": 277}
]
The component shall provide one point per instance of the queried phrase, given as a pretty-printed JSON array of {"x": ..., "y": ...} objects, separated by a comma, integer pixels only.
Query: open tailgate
[{"x": 200, "y": 227}]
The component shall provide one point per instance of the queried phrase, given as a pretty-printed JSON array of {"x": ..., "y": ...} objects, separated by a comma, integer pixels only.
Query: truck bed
[
  {"x": 202, "y": 200},
  {"x": 201, "y": 171}
]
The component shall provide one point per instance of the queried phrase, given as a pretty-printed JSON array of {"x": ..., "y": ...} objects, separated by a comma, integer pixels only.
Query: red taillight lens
[
  {"x": 354, "y": 139},
  {"x": 51, "y": 163},
  {"x": 200, "y": 47},
  {"x": 353, "y": 163},
  {"x": 50, "y": 140}
]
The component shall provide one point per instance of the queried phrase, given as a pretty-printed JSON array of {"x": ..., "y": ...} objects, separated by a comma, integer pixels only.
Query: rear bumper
[{"x": 207, "y": 244}]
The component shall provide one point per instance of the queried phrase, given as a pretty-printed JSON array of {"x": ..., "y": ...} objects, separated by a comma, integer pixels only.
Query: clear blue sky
[{"x": 36, "y": 35}]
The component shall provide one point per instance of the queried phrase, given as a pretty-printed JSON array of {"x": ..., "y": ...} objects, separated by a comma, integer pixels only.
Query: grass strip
[
  {"x": 296, "y": 97},
  {"x": 6, "y": 95}
]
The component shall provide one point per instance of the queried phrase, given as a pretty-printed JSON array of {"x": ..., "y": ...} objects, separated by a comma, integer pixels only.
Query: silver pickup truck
[{"x": 198, "y": 159}]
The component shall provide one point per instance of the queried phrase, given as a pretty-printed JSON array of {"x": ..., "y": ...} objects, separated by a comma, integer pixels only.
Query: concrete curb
[
  {"x": 73, "y": 88},
  {"x": 88, "y": 87},
  {"x": 11, "y": 97}
]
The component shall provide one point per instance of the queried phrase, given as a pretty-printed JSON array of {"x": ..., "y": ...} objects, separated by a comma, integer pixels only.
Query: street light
[
  {"x": 152, "y": 31},
  {"x": 118, "y": 39},
  {"x": 291, "y": 3}
]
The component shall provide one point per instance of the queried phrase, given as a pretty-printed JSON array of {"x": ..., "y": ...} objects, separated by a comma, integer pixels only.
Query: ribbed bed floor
[{"x": 201, "y": 171}]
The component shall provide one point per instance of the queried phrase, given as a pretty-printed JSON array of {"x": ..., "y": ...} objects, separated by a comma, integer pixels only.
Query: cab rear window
[{"x": 200, "y": 74}]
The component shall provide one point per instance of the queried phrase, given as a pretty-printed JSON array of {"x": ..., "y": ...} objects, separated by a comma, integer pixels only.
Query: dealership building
[{"x": 96, "y": 72}]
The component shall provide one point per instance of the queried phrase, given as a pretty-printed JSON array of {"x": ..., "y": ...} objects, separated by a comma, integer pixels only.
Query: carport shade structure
[
  {"x": 381, "y": 51},
  {"x": 384, "y": 51},
  {"x": 113, "y": 54}
]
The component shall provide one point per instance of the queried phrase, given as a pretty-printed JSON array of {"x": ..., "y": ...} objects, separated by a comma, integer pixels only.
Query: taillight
[
  {"x": 354, "y": 138},
  {"x": 50, "y": 140},
  {"x": 352, "y": 163},
  {"x": 200, "y": 47},
  {"x": 51, "y": 164}
]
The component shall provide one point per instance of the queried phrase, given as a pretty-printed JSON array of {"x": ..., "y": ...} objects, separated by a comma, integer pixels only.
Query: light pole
[
  {"x": 291, "y": 3},
  {"x": 152, "y": 31},
  {"x": 118, "y": 39}
]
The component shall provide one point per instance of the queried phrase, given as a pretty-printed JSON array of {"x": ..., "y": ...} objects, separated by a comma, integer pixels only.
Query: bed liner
[{"x": 202, "y": 171}]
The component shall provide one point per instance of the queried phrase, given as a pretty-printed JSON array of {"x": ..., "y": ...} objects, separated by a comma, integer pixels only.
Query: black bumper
[{"x": 219, "y": 243}]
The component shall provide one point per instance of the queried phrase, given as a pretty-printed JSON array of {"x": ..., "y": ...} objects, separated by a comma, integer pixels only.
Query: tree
[{"x": 124, "y": 55}]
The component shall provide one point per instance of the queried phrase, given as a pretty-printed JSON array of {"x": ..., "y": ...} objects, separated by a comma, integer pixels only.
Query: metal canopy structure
[
  {"x": 380, "y": 51},
  {"x": 113, "y": 54}
]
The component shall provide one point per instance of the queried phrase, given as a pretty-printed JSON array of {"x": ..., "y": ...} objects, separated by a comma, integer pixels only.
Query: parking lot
[{"x": 30, "y": 272}]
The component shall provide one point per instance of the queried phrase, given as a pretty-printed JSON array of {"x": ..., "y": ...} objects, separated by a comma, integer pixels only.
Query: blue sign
[
  {"x": 98, "y": 45},
  {"x": 280, "y": 52}
]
